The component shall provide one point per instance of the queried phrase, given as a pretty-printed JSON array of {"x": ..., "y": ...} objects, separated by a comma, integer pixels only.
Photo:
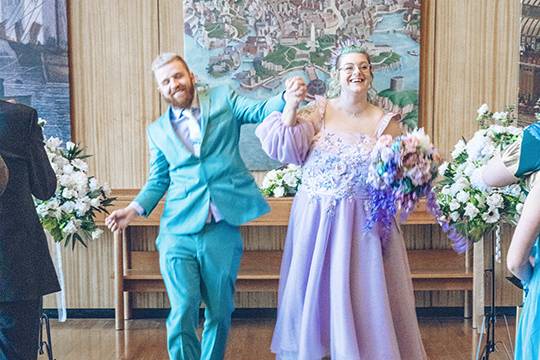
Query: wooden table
[{"x": 138, "y": 271}]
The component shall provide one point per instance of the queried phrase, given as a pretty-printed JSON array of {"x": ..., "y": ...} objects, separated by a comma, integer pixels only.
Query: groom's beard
[{"x": 182, "y": 97}]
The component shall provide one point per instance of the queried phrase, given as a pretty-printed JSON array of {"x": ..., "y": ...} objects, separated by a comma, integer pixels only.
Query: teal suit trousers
[{"x": 200, "y": 267}]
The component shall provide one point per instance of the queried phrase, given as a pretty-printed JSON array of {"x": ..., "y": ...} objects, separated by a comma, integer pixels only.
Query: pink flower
[{"x": 385, "y": 140}]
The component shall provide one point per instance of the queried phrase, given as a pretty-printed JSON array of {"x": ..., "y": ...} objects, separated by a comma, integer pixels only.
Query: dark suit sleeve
[{"x": 42, "y": 176}]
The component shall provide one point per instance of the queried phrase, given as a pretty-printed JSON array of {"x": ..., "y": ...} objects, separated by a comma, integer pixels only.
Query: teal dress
[{"x": 524, "y": 158}]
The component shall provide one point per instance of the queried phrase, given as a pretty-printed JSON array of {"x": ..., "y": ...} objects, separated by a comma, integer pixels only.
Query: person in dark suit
[{"x": 26, "y": 268}]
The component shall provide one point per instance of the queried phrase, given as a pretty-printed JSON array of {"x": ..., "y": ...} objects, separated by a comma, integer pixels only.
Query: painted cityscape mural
[
  {"x": 529, "y": 63},
  {"x": 34, "y": 60},
  {"x": 255, "y": 45}
]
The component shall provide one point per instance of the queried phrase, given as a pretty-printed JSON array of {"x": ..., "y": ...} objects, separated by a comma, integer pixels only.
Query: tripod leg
[
  {"x": 480, "y": 340},
  {"x": 509, "y": 336}
]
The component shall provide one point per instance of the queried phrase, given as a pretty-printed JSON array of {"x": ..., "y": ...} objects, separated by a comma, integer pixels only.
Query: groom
[{"x": 194, "y": 158}]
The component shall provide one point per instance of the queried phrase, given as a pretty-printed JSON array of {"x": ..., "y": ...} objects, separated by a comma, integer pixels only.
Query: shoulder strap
[{"x": 383, "y": 123}]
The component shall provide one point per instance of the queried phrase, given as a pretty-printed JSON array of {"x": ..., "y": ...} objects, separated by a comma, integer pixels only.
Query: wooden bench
[{"x": 138, "y": 271}]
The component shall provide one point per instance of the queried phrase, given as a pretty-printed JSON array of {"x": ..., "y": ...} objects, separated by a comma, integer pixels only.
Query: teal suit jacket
[{"x": 218, "y": 175}]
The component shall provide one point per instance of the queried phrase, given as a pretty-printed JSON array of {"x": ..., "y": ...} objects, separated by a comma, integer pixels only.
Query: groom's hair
[{"x": 165, "y": 58}]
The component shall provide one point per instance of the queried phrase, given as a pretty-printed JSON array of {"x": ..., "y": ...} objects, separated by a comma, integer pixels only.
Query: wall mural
[
  {"x": 529, "y": 62},
  {"x": 34, "y": 60},
  {"x": 255, "y": 45}
]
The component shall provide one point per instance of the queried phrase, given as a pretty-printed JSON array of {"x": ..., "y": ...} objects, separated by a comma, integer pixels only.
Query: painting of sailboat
[{"x": 34, "y": 67}]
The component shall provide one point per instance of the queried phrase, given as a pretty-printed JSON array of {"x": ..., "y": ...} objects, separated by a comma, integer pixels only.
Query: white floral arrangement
[
  {"x": 282, "y": 182},
  {"x": 468, "y": 206},
  {"x": 69, "y": 215}
]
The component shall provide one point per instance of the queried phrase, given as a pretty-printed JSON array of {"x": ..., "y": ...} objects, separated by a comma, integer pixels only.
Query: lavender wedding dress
[{"x": 340, "y": 294}]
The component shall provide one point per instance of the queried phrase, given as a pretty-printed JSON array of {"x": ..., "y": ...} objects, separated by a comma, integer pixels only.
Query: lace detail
[
  {"x": 337, "y": 168},
  {"x": 337, "y": 165}
]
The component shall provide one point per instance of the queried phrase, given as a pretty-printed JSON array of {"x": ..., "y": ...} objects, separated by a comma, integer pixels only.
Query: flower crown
[{"x": 343, "y": 47}]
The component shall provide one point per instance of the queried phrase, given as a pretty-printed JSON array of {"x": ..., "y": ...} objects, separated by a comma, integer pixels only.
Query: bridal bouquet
[
  {"x": 282, "y": 182},
  {"x": 464, "y": 206},
  {"x": 69, "y": 215},
  {"x": 401, "y": 171}
]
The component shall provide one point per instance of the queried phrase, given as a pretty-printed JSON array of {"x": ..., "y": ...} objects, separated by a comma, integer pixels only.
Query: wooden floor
[{"x": 444, "y": 339}]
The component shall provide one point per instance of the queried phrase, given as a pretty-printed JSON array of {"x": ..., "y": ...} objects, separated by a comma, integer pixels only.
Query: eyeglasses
[{"x": 349, "y": 68}]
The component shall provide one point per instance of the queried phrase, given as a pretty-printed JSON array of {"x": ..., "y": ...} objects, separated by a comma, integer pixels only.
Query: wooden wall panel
[
  {"x": 469, "y": 56},
  {"x": 476, "y": 53}
]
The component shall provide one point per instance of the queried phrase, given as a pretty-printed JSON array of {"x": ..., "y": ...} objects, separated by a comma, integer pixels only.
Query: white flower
[
  {"x": 458, "y": 149},
  {"x": 68, "y": 193},
  {"x": 70, "y": 145},
  {"x": 266, "y": 183},
  {"x": 495, "y": 201},
  {"x": 492, "y": 216},
  {"x": 279, "y": 191},
  {"x": 454, "y": 216},
  {"x": 106, "y": 189},
  {"x": 96, "y": 234},
  {"x": 67, "y": 169},
  {"x": 42, "y": 210},
  {"x": 454, "y": 205},
  {"x": 443, "y": 168},
  {"x": 462, "y": 197},
  {"x": 272, "y": 175},
  {"x": 70, "y": 228},
  {"x": 482, "y": 110},
  {"x": 60, "y": 161},
  {"x": 422, "y": 137},
  {"x": 471, "y": 211},
  {"x": 481, "y": 199},
  {"x": 476, "y": 145},
  {"x": 79, "y": 164},
  {"x": 294, "y": 167},
  {"x": 82, "y": 206},
  {"x": 68, "y": 207},
  {"x": 519, "y": 208},
  {"x": 290, "y": 179},
  {"x": 500, "y": 116},
  {"x": 514, "y": 190},
  {"x": 446, "y": 190},
  {"x": 65, "y": 180},
  {"x": 53, "y": 143},
  {"x": 93, "y": 184},
  {"x": 96, "y": 202},
  {"x": 477, "y": 180},
  {"x": 461, "y": 184},
  {"x": 469, "y": 169}
]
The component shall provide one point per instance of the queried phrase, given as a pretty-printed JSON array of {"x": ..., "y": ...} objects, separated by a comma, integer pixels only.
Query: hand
[
  {"x": 120, "y": 219},
  {"x": 295, "y": 91}
]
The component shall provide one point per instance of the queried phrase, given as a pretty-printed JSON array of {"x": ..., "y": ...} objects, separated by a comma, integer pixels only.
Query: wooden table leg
[
  {"x": 118, "y": 280},
  {"x": 468, "y": 295},
  {"x": 478, "y": 284},
  {"x": 126, "y": 249}
]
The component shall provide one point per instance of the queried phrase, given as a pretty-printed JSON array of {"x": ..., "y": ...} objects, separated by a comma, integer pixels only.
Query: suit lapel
[{"x": 204, "y": 103}]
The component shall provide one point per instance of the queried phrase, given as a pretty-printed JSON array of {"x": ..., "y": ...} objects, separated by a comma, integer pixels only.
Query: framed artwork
[
  {"x": 529, "y": 63},
  {"x": 255, "y": 45},
  {"x": 34, "y": 60}
]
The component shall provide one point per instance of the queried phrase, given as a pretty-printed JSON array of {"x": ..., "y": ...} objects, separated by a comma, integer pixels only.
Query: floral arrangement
[
  {"x": 464, "y": 206},
  {"x": 282, "y": 182},
  {"x": 69, "y": 215},
  {"x": 401, "y": 171}
]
